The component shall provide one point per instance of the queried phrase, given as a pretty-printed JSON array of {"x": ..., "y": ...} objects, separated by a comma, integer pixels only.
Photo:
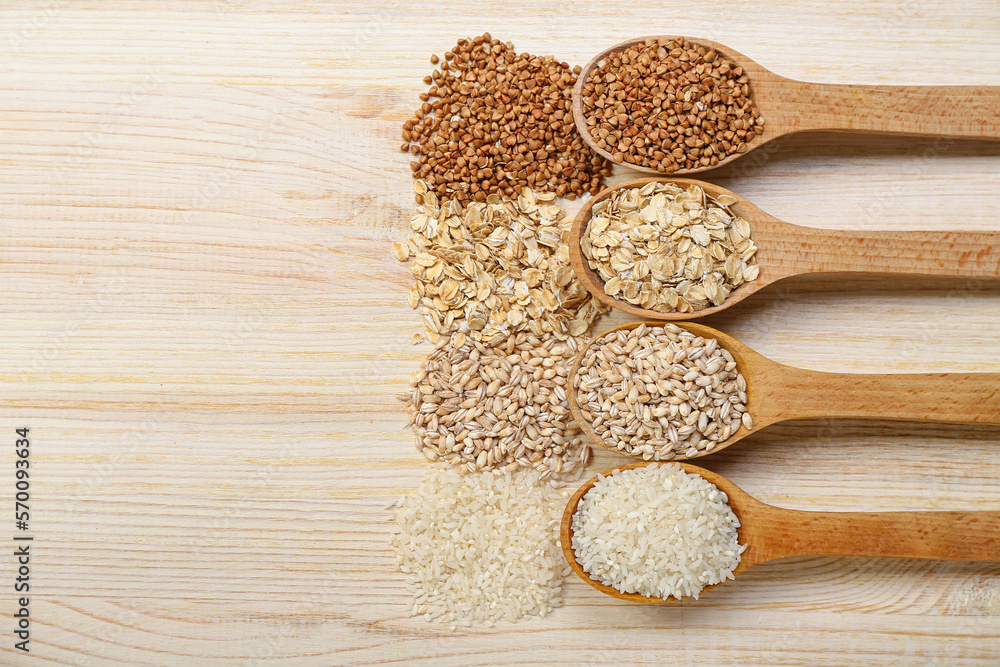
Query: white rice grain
[
  {"x": 656, "y": 531},
  {"x": 481, "y": 547}
]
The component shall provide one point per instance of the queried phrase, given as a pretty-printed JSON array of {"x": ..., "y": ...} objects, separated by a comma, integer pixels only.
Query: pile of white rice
[
  {"x": 657, "y": 531},
  {"x": 481, "y": 547}
]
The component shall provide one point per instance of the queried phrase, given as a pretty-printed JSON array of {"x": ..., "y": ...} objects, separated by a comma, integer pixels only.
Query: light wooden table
[{"x": 204, "y": 330}]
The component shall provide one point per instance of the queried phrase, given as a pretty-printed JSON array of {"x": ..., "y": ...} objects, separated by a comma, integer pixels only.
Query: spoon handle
[
  {"x": 966, "y": 398},
  {"x": 952, "y": 254},
  {"x": 932, "y": 535},
  {"x": 941, "y": 111}
]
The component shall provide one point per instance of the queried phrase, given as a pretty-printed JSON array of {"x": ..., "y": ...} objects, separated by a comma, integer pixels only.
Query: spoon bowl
[
  {"x": 772, "y": 533},
  {"x": 777, "y": 393},
  {"x": 785, "y": 250},
  {"x": 739, "y": 501},
  {"x": 789, "y": 106}
]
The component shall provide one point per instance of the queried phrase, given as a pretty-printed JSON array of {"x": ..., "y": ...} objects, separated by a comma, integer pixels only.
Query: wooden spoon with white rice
[{"x": 624, "y": 533}]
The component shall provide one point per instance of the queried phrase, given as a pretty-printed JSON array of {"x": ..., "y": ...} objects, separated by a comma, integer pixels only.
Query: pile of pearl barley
[
  {"x": 661, "y": 392},
  {"x": 498, "y": 407}
]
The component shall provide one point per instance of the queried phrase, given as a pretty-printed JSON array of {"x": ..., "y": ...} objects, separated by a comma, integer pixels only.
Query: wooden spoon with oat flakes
[
  {"x": 775, "y": 393},
  {"x": 788, "y": 106},
  {"x": 785, "y": 250}
]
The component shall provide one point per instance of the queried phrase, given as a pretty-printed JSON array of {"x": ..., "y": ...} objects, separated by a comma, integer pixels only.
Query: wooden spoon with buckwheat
[{"x": 787, "y": 106}]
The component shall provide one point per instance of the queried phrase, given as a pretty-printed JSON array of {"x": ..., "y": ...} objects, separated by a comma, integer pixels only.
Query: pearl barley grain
[
  {"x": 660, "y": 392},
  {"x": 498, "y": 407}
]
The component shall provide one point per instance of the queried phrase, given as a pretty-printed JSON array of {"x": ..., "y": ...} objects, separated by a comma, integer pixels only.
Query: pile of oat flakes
[{"x": 669, "y": 249}]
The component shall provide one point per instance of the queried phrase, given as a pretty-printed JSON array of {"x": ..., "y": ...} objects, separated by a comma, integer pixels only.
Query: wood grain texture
[
  {"x": 788, "y": 106},
  {"x": 204, "y": 329}
]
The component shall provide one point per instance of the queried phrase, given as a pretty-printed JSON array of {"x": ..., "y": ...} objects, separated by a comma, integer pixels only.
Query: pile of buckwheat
[
  {"x": 670, "y": 105},
  {"x": 495, "y": 121},
  {"x": 669, "y": 249},
  {"x": 661, "y": 392}
]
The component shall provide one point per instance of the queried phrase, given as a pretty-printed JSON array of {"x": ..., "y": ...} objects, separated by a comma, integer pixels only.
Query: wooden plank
[{"x": 205, "y": 331}]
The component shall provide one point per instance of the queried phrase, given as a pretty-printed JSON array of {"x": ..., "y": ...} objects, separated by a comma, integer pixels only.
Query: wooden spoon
[
  {"x": 776, "y": 392},
  {"x": 787, "y": 106},
  {"x": 786, "y": 250},
  {"x": 772, "y": 532}
]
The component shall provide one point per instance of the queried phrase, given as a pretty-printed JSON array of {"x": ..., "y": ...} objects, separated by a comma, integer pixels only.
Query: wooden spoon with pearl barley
[
  {"x": 777, "y": 393},
  {"x": 787, "y": 106},
  {"x": 785, "y": 250},
  {"x": 772, "y": 532}
]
